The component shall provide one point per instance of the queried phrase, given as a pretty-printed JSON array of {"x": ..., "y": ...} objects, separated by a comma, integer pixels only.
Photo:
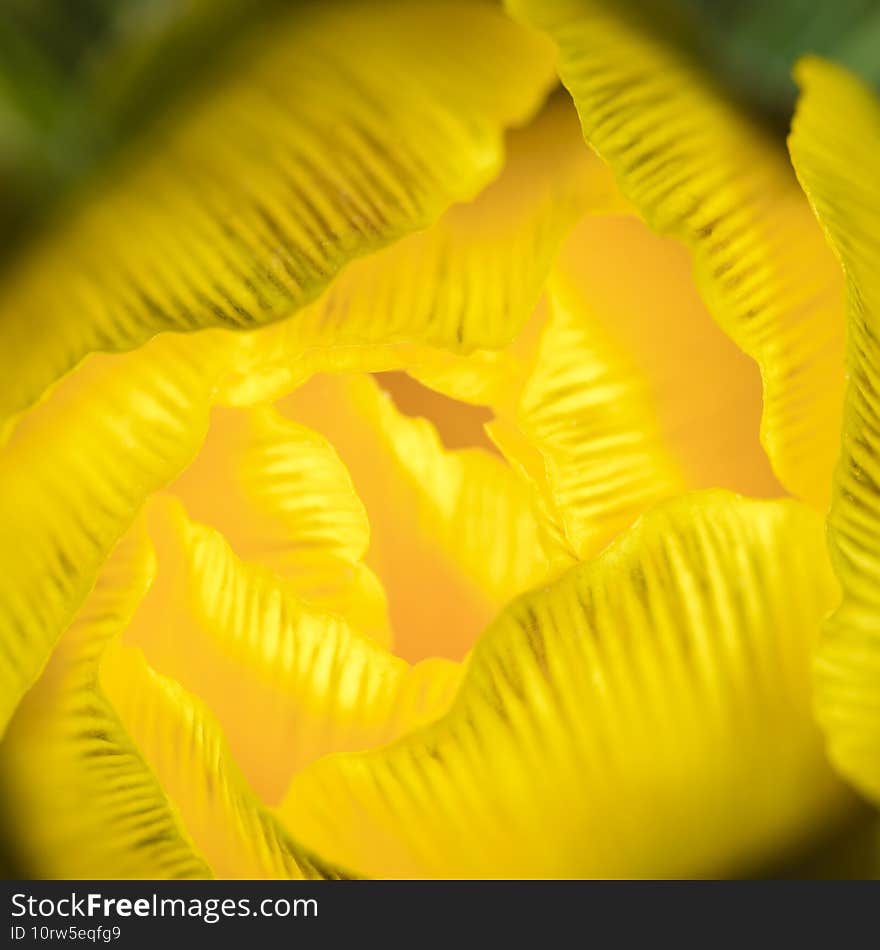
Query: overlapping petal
[
  {"x": 625, "y": 394},
  {"x": 600, "y": 460},
  {"x": 649, "y": 714},
  {"x": 85, "y": 802},
  {"x": 72, "y": 478},
  {"x": 636, "y": 290},
  {"x": 454, "y": 533},
  {"x": 469, "y": 282},
  {"x": 241, "y": 208},
  {"x": 288, "y": 683},
  {"x": 699, "y": 170},
  {"x": 474, "y": 505},
  {"x": 185, "y": 748},
  {"x": 611, "y": 722},
  {"x": 282, "y": 498},
  {"x": 835, "y": 146}
]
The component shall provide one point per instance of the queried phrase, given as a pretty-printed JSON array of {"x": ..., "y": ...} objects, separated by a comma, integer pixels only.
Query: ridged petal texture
[
  {"x": 240, "y": 208},
  {"x": 835, "y": 146},
  {"x": 473, "y": 505},
  {"x": 237, "y": 693},
  {"x": 602, "y": 460},
  {"x": 635, "y": 290},
  {"x": 118, "y": 771},
  {"x": 282, "y": 498},
  {"x": 78, "y": 466},
  {"x": 592, "y": 401},
  {"x": 185, "y": 747},
  {"x": 470, "y": 281},
  {"x": 453, "y": 528},
  {"x": 86, "y": 803},
  {"x": 648, "y": 714},
  {"x": 288, "y": 683},
  {"x": 73, "y": 476},
  {"x": 700, "y": 171}
]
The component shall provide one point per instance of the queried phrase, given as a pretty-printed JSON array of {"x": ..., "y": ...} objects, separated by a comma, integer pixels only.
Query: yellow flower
[{"x": 381, "y": 483}]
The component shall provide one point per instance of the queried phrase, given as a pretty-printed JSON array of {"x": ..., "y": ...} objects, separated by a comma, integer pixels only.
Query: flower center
[
  {"x": 400, "y": 474},
  {"x": 382, "y": 495}
]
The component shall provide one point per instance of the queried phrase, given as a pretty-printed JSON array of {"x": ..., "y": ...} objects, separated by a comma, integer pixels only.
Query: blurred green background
[{"x": 79, "y": 79}]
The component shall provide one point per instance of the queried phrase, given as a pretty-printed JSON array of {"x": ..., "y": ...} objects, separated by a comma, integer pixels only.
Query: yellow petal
[
  {"x": 475, "y": 506},
  {"x": 286, "y": 682},
  {"x": 184, "y": 747},
  {"x": 647, "y": 715},
  {"x": 84, "y": 803},
  {"x": 628, "y": 394},
  {"x": 470, "y": 281},
  {"x": 638, "y": 290},
  {"x": 485, "y": 377},
  {"x": 453, "y": 535},
  {"x": 74, "y": 474},
  {"x": 343, "y": 128},
  {"x": 280, "y": 495},
  {"x": 835, "y": 145},
  {"x": 600, "y": 458},
  {"x": 699, "y": 171}
]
